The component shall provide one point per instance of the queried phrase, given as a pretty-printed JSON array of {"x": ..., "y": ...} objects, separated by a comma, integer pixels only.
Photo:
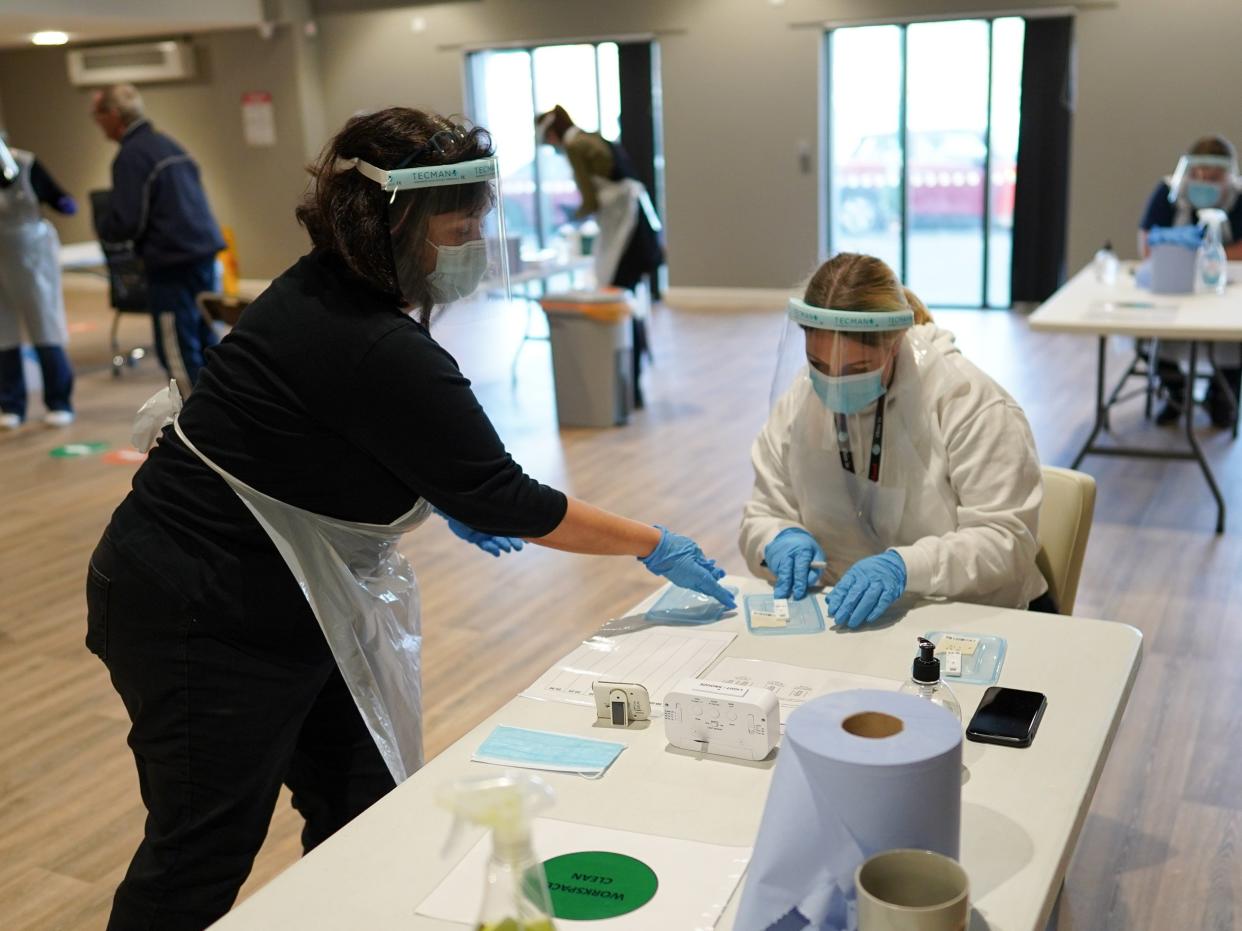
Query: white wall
[
  {"x": 253, "y": 190},
  {"x": 741, "y": 90}
]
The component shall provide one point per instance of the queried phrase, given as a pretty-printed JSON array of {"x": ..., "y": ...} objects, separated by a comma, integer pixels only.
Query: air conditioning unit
[{"x": 141, "y": 62}]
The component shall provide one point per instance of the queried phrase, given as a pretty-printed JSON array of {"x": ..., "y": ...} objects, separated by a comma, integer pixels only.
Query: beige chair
[{"x": 1064, "y": 525}]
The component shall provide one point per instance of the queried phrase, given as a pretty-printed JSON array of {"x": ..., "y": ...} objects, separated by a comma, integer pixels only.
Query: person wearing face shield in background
[
  {"x": 31, "y": 299},
  {"x": 889, "y": 464},
  {"x": 248, "y": 597},
  {"x": 1206, "y": 176}
]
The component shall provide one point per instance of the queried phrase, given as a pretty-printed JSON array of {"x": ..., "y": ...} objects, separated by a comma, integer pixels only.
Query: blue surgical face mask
[
  {"x": 565, "y": 753},
  {"x": 848, "y": 394},
  {"x": 1203, "y": 193},
  {"x": 458, "y": 271}
]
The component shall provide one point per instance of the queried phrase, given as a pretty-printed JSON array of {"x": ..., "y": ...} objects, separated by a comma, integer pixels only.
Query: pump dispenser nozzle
[{"x": 925, "y": 679}]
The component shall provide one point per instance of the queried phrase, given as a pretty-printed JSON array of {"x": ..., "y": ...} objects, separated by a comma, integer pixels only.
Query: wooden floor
[{"x": 1162, "y": 847}]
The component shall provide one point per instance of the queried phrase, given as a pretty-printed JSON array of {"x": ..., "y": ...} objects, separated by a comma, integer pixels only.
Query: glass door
[
  {"x": 507, "y": 88},
  {"x": 923, "y": 132}
]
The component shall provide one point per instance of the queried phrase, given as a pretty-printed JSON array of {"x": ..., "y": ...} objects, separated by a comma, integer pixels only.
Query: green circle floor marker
[
  {"x": 595, "y": 884},
  {"x": 72, "y": 450}
]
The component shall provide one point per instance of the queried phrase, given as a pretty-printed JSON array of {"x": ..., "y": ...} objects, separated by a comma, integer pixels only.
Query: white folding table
[
  {"x": 1023, "y": 809},
  {"x": 1086, "y": 306}
]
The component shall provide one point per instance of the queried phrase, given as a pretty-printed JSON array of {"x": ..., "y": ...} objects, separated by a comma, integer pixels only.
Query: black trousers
[{"x": 223, "y": 710}]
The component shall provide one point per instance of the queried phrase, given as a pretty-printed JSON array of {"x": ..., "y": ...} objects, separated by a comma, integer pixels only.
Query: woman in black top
[{"x": 333, "y": 405}]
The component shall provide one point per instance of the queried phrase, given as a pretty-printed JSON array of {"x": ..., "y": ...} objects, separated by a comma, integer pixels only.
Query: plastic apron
[
  {"x": 851, "y": 516},
  {"x": 618, "y": 203},
  {"x": 30, "y": 293},
  {"x": 361, "y": 589}
]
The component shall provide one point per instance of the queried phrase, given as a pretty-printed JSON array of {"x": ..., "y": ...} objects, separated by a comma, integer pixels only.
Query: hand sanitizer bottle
[{"x": 925, "y": 680}]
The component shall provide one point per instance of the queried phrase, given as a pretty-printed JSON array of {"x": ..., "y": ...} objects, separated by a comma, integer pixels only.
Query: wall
[
  {"x": 254, "y": 190},
  {"x": 741, "y": 90},
  {"x": 1152, "y": 77}
]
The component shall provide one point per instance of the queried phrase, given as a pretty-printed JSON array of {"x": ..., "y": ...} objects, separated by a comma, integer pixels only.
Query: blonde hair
[
  {"x": 124, "y": 100},
  {"x": 849, "y": 281}
]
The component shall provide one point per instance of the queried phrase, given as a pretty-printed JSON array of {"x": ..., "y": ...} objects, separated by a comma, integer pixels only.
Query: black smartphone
[{"x": 1008, "y": 717}]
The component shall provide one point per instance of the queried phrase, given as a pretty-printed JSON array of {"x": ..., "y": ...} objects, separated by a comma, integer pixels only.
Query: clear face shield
[
  {"x": 847, "y": 358},
  {"x": 446, "y": 226},
  {"x": 8, "y": 164},
  {"x": 1205, "y": 181}
]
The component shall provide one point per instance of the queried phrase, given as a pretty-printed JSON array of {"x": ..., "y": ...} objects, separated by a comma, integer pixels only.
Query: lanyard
[{"x": 877, "y": 442}]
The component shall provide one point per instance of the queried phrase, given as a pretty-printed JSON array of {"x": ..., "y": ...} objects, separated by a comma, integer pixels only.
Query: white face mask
[{"x": 458, "y": 271}]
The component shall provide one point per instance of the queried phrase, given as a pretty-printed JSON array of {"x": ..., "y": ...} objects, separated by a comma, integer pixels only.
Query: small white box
[
  {"x": 722, "y": 719},
  {"x": 621, "y": 703}
]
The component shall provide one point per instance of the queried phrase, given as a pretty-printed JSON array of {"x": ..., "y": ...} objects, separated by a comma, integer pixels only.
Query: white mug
[{"x": 912, "y": 890}]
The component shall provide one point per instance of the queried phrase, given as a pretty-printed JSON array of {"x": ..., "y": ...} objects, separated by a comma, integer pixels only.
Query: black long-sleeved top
[
  {"x": 328, "y": 397},
  {"x": 45, "y": 186}
]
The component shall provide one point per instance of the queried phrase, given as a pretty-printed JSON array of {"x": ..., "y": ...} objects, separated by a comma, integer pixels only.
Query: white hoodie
[{"x": 959, "y": 491}]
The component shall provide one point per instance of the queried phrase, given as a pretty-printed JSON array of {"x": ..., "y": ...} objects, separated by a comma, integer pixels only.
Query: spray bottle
[
  {"x": 1210, "y": 258},
  {"x": 515, "y": 894}
]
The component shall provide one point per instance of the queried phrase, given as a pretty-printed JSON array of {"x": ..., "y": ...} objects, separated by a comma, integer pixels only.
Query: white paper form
[
  {"x": 1131, "y": 311},
  {"x": 696, "y": 880},
  {"x": 658, "y": 658},
  {"x": 793, "y": 685}
]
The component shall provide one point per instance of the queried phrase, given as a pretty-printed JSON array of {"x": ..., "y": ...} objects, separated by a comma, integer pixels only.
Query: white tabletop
[
  {"x": 542, "y": 271},
  {"x": 81, "y": 256},
  {"x": 1022, "y": 809},
  {"x": 1084, "y": 305}
]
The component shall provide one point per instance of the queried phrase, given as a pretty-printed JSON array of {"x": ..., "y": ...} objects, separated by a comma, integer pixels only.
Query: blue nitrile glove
[
  {"x": 680, "y": 560},
  {"x": 867, "y": 589},
  {"x": 789, "y": 556},
  {"x": 484, "y": 541},
  {"x": 67, "y": 205}
]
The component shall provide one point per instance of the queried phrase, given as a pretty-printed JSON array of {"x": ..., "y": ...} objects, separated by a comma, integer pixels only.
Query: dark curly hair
[{"x": 348, "y": 214}]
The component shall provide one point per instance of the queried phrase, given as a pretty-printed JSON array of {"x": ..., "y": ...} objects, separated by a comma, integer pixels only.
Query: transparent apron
[
  {"x": 29, "y": 267},
  {"x": 617, "y": 215},
  {"x": 361, "y": 589}
]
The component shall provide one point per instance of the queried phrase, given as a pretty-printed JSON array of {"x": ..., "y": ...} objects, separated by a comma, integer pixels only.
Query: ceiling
[{"x": 113, "y": 20}]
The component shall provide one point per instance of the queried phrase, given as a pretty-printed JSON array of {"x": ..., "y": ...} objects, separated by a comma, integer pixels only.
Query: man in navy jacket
[{"x": 159, "y": 205}]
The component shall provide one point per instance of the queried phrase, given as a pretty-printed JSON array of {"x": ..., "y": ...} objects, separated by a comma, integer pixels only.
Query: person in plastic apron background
[
  {"x": 889, "y": 463},
  {"x": 248, "y": 597},
  {"x": 1206, "y": 176},
  {"x": 628, "y": 247},
  {"x": 31, "y": 300}
]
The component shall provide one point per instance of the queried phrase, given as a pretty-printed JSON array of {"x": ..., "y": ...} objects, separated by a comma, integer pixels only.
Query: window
[
  {"x": 923, "y": 137},
  {"x": 507, "y": 88}
]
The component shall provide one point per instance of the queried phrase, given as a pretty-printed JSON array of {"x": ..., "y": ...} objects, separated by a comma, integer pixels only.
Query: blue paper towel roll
[{"x": 839, "y": 796}]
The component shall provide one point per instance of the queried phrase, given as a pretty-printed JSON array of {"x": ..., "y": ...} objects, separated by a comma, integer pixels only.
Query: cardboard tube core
[{"x": 872, "y": 724}]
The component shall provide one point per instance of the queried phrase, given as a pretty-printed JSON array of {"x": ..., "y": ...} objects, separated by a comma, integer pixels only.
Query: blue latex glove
[
  {"x": 484, "y": 541},
  {"x": 867, "y": 589},
  {"x": 67, "y": 205},
  {"x": 680, "y": 560},
  {"x": 789, "y": 556}
]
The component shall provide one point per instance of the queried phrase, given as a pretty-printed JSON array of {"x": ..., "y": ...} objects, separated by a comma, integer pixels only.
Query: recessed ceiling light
[{"x": 50, "y": 37}]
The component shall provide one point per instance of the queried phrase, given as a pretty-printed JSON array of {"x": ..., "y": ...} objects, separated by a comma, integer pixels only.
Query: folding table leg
[
  {"x": 1197, "y": 449},
  {"x": 1101, "y": 408}
]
